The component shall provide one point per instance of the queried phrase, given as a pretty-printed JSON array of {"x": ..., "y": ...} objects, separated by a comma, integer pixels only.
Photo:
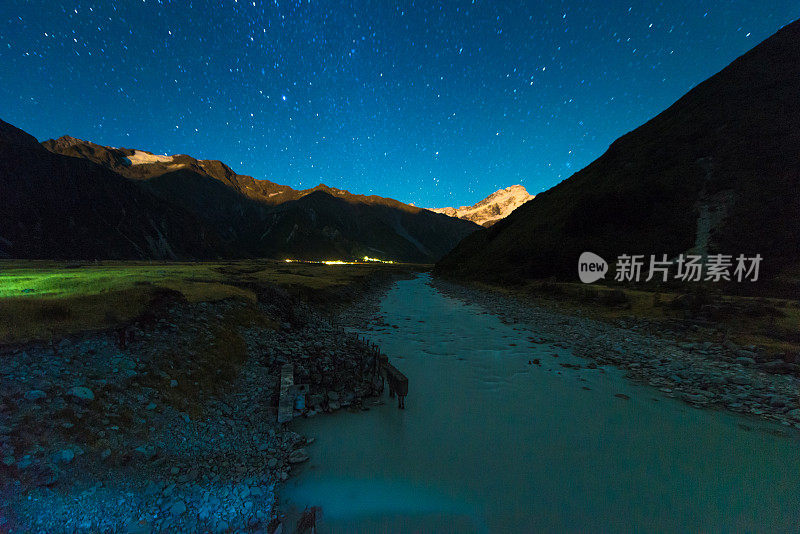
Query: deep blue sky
[{"x": 436, "y": 104}]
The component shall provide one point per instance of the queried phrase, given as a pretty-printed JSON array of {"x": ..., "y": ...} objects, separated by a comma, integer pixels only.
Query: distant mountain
[
  {"x": 718, "y": 171},
  {"x": 491, "y": 209},
  {"x": 127, "y": 203},
  {"x": 58, "y": 207}
]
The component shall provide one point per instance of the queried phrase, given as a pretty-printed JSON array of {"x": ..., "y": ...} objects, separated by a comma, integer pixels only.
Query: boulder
[{"x": 81, "y": 394}]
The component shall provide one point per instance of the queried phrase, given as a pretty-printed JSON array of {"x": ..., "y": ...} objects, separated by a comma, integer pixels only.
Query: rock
[
  {"x": 46, "y": 477},
  {"x": 24, "y": 462},
  {"x": 744, "y": 360},
  {"x": 776, "y": 401},
  {"x": 272, "y": 463},
  {"x": 153, "y": 488},
  {"x": 145, "y": 451},
  {"x": 178, "y": 509},
  {"x": 66, "y": 456},
  {"x": 779, "y": 366},
  {"x": 298, "y": 456},
  {"x": 105, "y": 454},
  {"x": 138, "y": 527},
  {"x": 35, "y": 395},
  {"x": 315, "y": 400},
  {"x": 173, "y": 383},
  {"x": 333, "y": 396},
  {"x": 81, "y": 394},
  {"x": 333, "y": 405},
  {"x": 740, "y": 380},
  {"x": 694, "y": 399},
  {"x": 151, "y": 406},
  {"x": 794, "y": 413}
]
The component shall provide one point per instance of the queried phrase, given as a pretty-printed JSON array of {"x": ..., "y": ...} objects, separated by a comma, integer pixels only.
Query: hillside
[
  {"x": 718, "y": 171},
  {"x": 59, "y": 207},
  {"x": 491, "y": 209},
  {"x": 81, "y": 200}
]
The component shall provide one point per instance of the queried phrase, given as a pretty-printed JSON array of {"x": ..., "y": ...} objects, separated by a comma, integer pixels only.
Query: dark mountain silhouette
[
  {"x": 718, "y": 171},
  {"x": 77, "y": 199},
  {"x": 59, "y": 207}
]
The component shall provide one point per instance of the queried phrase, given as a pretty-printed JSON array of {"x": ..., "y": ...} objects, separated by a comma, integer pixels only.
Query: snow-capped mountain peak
[{"x": 491, "y": 209}]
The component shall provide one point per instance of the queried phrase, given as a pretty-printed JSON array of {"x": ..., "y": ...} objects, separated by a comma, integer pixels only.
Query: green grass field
[{"x": 39, "y": 300}]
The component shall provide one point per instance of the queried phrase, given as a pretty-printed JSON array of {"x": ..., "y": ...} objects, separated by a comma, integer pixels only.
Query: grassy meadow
[{"x": 42, "y": 299}]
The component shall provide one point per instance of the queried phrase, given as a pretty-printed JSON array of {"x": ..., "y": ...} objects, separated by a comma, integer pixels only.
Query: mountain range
[
  {"x": 491, "y": 209},
  {"x": 716, "y": 172},
  {"x": 73, "y": 199}
]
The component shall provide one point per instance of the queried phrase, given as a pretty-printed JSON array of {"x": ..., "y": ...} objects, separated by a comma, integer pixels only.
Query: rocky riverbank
[
  {"x": 170, "y": 423},
  {"x": 701, "y": 373}
]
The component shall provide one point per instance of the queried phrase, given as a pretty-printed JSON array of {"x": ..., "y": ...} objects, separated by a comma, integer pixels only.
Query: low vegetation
[
  {"x": 771, "y": 323},
  {"x": 42, "y": 300}
]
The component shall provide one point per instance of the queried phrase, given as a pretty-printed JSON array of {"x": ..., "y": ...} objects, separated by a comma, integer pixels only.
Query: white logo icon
[{"x": 591, "y": 267}]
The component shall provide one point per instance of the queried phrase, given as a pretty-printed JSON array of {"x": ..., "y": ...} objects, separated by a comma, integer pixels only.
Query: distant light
[
  {"x": 366, "y": 259},
  {"x": 283, "y": 97}
]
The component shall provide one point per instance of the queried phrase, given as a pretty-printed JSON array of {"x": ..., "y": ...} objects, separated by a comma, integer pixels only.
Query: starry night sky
[{"x": 431, "y": 103}]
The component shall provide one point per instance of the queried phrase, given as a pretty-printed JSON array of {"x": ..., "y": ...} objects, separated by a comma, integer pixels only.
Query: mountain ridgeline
[
  {"x": 73, "y": 199},
  {"x": 492, "y": 208},
  {"x": 717, "y": 172}
]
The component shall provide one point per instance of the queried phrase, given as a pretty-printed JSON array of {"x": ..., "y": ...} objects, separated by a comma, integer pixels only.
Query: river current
[{"x": 491, "y": 443}]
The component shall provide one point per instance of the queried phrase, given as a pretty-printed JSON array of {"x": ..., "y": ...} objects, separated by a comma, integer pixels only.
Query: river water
[{"x": 490, "y": 443}]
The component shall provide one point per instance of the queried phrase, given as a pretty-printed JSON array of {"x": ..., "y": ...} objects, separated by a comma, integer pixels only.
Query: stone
[
  {"x": 777, "y": 402},
  {"x": 298, "y": 456},
  {"x": 333, "y": 405},
  {"x": 173, "y": 383},
  {"x": 24, "y": 462},
  {"x": 138, "y": 527},
  {"x": 694, "y": 398},
  {"x": 151, "y": 406},
  {"x": 47, "y": 476},
  {"x": 81, "y": 394},
  {"x": 35, "y": 395},
  {"x": 147, "y": 452},
  {"x": 333, "y": 396},
  {"x": 66, "y": 456},
  {"x": 272, "y": 463},
  {"x": 743, "y": 360},
  {"x": 178, "y": 509}
]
